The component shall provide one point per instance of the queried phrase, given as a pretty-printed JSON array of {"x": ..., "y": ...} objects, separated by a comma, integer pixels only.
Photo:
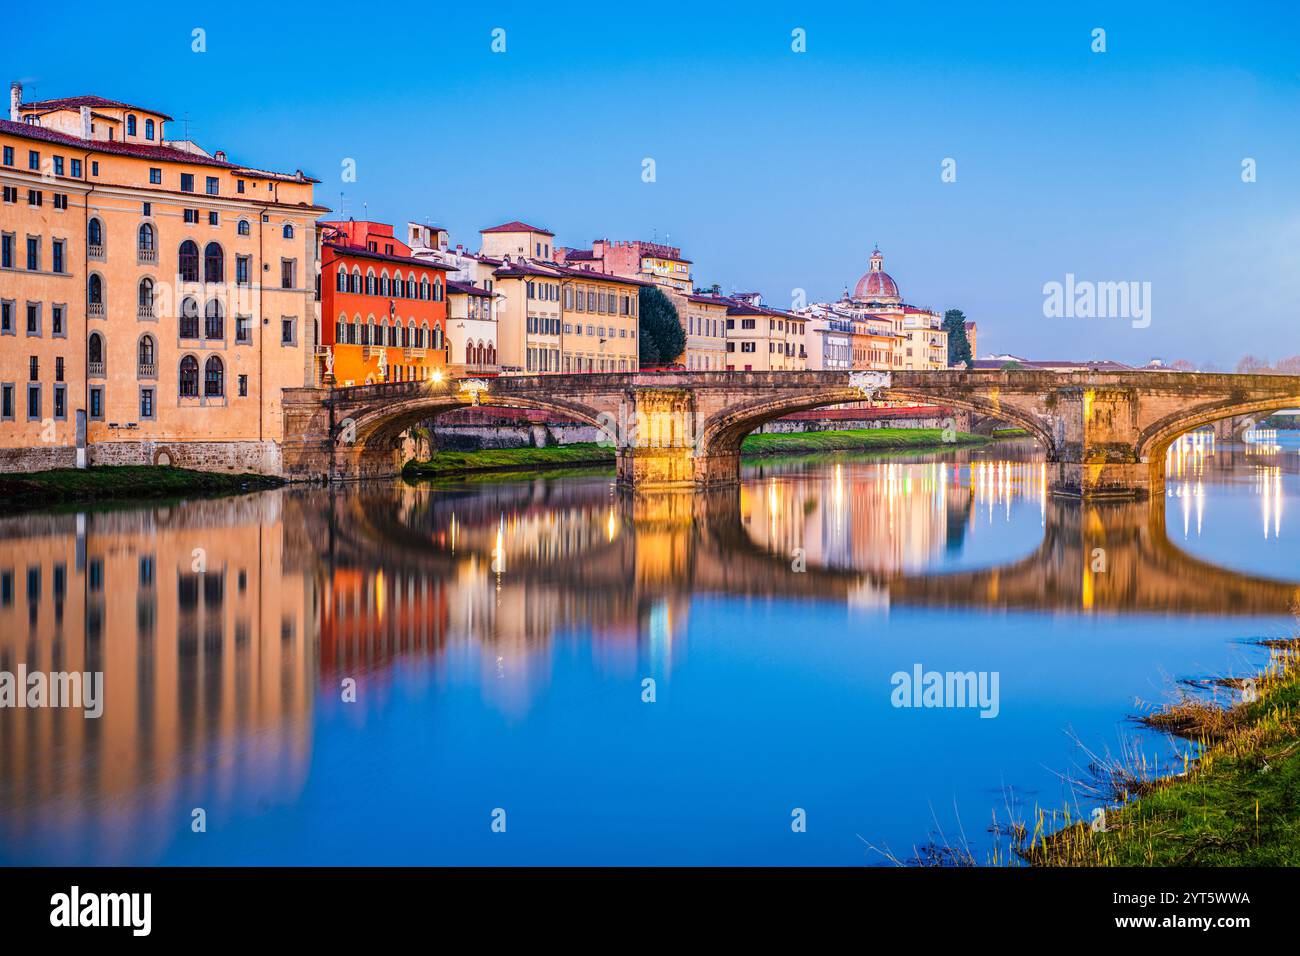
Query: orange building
[{"x": 384, "y": 312}]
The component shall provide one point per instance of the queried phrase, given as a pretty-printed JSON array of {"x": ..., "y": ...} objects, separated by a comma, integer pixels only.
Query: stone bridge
[{"x": 1104, "y": 434}]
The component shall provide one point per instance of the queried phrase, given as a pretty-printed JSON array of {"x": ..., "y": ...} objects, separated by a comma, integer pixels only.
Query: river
[{"x": 545, "y": 670}]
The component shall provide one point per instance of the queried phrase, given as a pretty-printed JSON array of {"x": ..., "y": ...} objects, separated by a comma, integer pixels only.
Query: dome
[{"x": 876, "y": 284}]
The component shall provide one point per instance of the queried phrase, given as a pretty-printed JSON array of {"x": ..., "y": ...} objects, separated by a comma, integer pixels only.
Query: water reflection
[{"x": 225, "y": 628}]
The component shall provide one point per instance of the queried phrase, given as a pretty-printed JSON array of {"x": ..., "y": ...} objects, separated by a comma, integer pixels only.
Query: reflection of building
[
  {"x": 156, "y": 298},
  {"x": 207, "y": 645}
]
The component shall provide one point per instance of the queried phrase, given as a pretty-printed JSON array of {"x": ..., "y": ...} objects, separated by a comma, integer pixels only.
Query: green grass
[
  {"x": 1237, "y": 803},
  {"x": 63, "y": 485},
  {"x": 508, "y": 460}
]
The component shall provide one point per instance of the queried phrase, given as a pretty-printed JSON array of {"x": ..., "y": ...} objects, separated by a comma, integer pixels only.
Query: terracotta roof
[
  {"x": 593, "y": 274},
  {"x": 709, "y": 299},
  {"x": 466, "y": 289},
  {"x": 342, "y": 249},
  {"x": 517, "y": 226},
  {"x": 77, "y": 102},
  {"x": 521, "y": 268},
  {"x": 138, "y": 150},
  {"x": 582, "y": 254}
]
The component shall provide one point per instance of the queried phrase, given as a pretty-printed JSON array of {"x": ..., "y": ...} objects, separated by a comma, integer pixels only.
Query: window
[
  {"x": 7, "y": 250},
  {"x": 33, "y": 318},
  {"x": 214, "y": 269},
  {"x": 187, "y": 182},
  {"x": 289, "y": 331},
  {"x": 58, "y": 368},
  {"x": 95, "y": 294},
  {"x": 214, "y": 218},
  {"x": 213, "y": 186},
  {"x": 130, "y": 124},
  {"x": 97, "y": 401},
  {"x": 11, "y": 194},
  {"x": 57, "y": 328},
  {"x": 191, "y": 217},
  {"x": 145, "y": 239},
  {"x": 242, "y": 264},
  {"x": 9, "y": 156},
  {"x": 60, "y": 200},
  {"x": 34, "y": 160},
  {"x": 287, "y": 232},
  {"x": 288, "y": 272},
  {"x": 155, "y": 175},
  {"x": 214, "y": 320},
  {"x": 189, "y": 381},
  {"x": 189, "y": 261},
  {"x": 34, "y": 197},
  {"x": 75, "y": 167},
  {"x": 239, "y": 185},
  {"x": 189, "y": 321},
  {"x": 148, "y": 129},
  {"x": 60, "y": 401},
  {"x": 214, "y": 385},
  {"x": 95, "y": 353},
  {"x": 243, "y": 386},
  {"x": 243, "y": 328},
  {"x": 244, "y": 227},
  {"x": 33, "y": 253},
  {"x": 56, "y": 259},
  {"x": 33, "y": 368},
  {"x": 7, "y": 401},
  {"x": 144, "y": 299},
  {"x": 94, "y": 167},
  {"x": 95, "y": 235},
  {"x": 146, "y": 354},
  {"x": 33, "y": 403},
  {"x": 146, "y": 403}
]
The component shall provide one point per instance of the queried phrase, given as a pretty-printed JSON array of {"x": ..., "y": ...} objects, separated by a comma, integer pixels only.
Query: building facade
[
  {"x": 154, "y": 299},
  {"x": 385, "y": 312},
  {"x": 654, "y": 262},
  {"x": 704, "y": 320},
  {"x": 760, "y": 339}
]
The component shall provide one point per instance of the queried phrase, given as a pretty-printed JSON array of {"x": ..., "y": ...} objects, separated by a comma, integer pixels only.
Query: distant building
[
  {"x": 704, "y": 320},
  {"x": 760, "y": 339},
  {"x": 994, "y": 362},
  {"x": 650, "y": 261}
]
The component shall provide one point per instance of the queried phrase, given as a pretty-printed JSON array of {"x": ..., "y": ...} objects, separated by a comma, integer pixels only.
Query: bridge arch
[
  {"x": 369, "y": 421},
  {"x": 723, "y": 433},
  {"x": 1155, "y": 439}
]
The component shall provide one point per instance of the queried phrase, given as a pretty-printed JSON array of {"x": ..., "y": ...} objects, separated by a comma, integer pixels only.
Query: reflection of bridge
[
  {"x": 1104, "y": 433},
  {"x": 1094, "y": 556}
]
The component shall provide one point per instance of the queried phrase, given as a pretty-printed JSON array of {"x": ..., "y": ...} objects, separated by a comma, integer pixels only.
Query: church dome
[{"x": 876, "y": 284}]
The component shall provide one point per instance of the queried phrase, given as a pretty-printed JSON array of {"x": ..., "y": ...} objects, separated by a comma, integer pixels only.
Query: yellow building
[
  {"x": 600, "y": 321},
  {"x": 760, "y": 339},
  {"x": 154, "y": 299},
  {"x": 704, "y": 320}
]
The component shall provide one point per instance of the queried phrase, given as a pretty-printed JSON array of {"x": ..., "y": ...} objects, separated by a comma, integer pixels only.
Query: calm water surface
[{"x": 499, "y": 635}]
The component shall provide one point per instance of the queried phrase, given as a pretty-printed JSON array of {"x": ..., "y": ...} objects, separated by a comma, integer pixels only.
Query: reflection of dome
[{"x": 876, "y": 284}]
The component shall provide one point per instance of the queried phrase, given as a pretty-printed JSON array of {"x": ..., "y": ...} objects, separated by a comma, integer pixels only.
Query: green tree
[
  {"x": 662, "y": 338},
  {"x": 954, "y": 323}
]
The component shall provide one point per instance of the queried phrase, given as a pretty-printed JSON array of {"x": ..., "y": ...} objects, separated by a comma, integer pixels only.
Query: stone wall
[
  {"x": 261, "y": 458},
  {"x": 37, "y": 458}
]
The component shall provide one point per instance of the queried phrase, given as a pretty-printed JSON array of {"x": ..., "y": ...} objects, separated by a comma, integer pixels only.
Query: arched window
[
  {"x": 370, "y": 282},
  {"x": 189, "y": 377},
  {"x": 148, "y": 129},
  {"x": 214, "y": 263},
  {"x": 409, "y": 341},
  {"x": 96, "y": 348},
  {"x": 354, "y": 330},
  {"x": 423, "y": 341},
  {"x": 145, "y": 297},
  {"x": 288, "y": 230},
  {"x": 95, "y": 233},
  {"x": 130, "y": 124},
  {"x": 146, "y": 354},
  {"x": 244, "y": 228},
  {"x": 424, "y": 287},
  {"x": 95, "y": 289},
  {"x": 491, "y": 354},
  {"x": 383, "y": 282},
  {"x": 189, "y": 261},
  {"x": 214, "y": 320},
  {"x": 437, "y": 289},
  {"x": 342, "y": 284},
  {"x": 355, "y": 285},
  {"x": 189, "y": 321},
  {"x": 214, "y": 378},
  {"x": 341, "y": 330},
  {"x": 146, "y": 243}
]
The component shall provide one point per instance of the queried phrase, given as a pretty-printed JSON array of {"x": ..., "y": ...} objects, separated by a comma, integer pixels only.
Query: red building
[{"x": 383, "y": 312}]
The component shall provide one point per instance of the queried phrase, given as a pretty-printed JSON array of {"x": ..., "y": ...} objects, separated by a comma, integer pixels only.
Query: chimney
[
  {"x": 15, "y": 99},
  {"x": 219, "y": 155},
  {"x": 85, "y": 123}
]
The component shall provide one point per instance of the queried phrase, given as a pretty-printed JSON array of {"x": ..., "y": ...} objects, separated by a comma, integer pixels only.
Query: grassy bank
[
  {"x": 499, "y": 460},
  {"x": 1236, "y": 802},
  {"x": 73, "y": 485}
]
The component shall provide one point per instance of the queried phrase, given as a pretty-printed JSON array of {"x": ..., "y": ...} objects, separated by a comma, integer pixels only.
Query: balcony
[
  {"x": 95, "y": 310},
  {"x": 95, "y": 251},
  {"x": 414, "y": 355},
  {"x": 145, "y": 256},
  {"x": 96, "y": 369},
  {"x": 145, "y": 370},
  {"x": 371, "y": 351},
  {"x": 144, "y": 310}
]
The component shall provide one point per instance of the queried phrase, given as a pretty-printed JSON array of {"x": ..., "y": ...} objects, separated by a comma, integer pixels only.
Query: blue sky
[{"x": 779, "y": 170}]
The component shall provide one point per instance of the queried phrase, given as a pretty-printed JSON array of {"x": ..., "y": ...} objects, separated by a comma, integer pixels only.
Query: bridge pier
[{"x": 1096, "y": 444}]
